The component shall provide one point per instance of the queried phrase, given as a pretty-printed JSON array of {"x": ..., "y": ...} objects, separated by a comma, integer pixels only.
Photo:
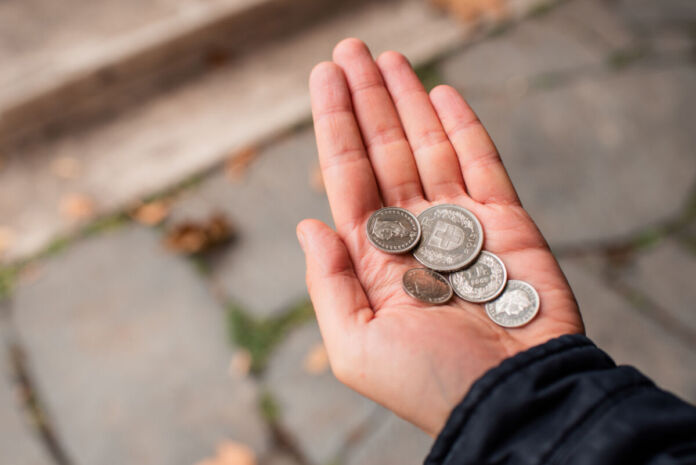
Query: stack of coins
[{"x": 449, "y": 239}]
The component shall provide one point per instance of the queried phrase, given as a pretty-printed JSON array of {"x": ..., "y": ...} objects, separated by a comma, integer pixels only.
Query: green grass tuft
[
  {"x": 270, "y": 410},
  {"x": 8, "y": 275},
  {"x": 623, "y": 58},
  {"x": 261, "y": 336},
  {"x": 647, "y": 238}
]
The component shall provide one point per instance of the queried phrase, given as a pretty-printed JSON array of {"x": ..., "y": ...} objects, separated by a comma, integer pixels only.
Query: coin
[
  {"x": 393, "y": 230},
  {"x": 427, "y": 286},
  {"x": 516, "y": 306},
  {"x": 452, "y": 238},
  {"x": 481, "y": 281}
]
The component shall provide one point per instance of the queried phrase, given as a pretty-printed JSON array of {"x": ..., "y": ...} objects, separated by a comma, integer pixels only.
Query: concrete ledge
[{"x": 44, "y": 96}]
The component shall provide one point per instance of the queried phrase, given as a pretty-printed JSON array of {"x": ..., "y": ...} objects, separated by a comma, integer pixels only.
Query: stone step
[{"x": 66, "y": 64}]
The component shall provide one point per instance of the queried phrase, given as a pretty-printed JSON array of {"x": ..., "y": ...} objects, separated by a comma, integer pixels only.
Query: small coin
[
  {"x": 393, "y": 230},
  {"x": 516, "y": 306},
  {"x": 481, "y": 281},
  {"x": 452, "y": 238},
  {"x": 427, "y": 286}
]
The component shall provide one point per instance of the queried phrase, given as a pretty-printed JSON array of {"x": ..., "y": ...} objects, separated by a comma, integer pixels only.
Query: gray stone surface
[
  {"x": 264, "y": 268},
  {"x": 572, "y": 36},
  {"x": 129, "y": 353},
  {"x": 629, "y": 336},
  {"x": 650, "y": 15},
  {"x": 665, "y": 274},
  {"x": 278, "y": 458},
  {"x": 394, "y": 442},
  {"x": 320, "y": 414},
  {"x": 599, "y": 157},
  {"x": 19, "y": 445}
]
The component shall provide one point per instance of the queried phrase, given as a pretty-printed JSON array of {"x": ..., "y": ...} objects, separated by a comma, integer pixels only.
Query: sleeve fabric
[{"x": 566, "y": 402}]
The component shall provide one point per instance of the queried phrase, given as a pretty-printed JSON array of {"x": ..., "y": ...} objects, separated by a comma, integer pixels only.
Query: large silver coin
[
  {"x": 481, "y": 281},
  {"x": 427, "y": 286},
  {"x": 452, "y": 238},
  {"x": 393, "y": 230},
  {"x": 516, "y": 306}
]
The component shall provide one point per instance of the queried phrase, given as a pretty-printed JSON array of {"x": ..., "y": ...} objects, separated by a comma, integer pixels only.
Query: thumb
[{"x": 337, "y": 295}]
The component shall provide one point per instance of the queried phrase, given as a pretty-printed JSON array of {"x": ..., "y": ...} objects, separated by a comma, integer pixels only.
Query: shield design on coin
[{"x": 446, "y": 236}]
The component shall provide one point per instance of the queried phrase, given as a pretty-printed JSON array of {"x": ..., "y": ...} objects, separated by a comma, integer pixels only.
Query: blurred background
[{"x": 156, "y": 155}]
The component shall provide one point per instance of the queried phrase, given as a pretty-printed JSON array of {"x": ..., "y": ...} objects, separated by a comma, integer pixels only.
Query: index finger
[{"x": 348, "y": 176}]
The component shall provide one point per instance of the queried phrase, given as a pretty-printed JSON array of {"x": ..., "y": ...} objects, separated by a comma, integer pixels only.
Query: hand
[{"x": 383, "y": 140}]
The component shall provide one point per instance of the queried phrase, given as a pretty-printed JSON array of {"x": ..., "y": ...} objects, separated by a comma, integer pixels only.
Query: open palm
[{"x": 383, "y": 140}]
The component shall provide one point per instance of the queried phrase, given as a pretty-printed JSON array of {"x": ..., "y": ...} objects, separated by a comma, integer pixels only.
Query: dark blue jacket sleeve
[{"x": 566, "y": 402}]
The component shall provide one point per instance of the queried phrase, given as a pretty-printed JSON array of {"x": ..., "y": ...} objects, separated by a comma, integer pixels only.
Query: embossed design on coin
[
  {"x": 427, "y": 286},
  {"x": 481, "y": 281},
  {"x": 393, "y": 230},
  {"x": 452, "y": 238},
  {"x": 516, "y": 306}
]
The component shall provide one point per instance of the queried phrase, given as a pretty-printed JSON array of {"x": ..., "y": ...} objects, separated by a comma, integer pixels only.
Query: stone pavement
[{"x": 591, "y": 104}]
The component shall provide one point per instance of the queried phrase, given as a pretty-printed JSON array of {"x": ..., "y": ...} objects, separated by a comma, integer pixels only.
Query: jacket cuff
[{"x": 523, "y": 409}]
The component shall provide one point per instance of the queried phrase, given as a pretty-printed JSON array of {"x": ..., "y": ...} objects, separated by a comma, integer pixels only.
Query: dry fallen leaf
[
  {"x": 241, "y": 362},
  {"x": 76, "y": 206},
  {"x": 235, "y": 453},
  {"x": 316, "y": 361},
  {"x": 7, "y": 238},
  {"x": 469, "y": 10},
  {"x": 151, "y": 214},
  {"x": 238, "y": 162},
  {"x": 316, "y": 180},
  {"x": 66, "y": 167},
  {"x": 30, "y": 273},
  {"x": 193, "y": 237}
]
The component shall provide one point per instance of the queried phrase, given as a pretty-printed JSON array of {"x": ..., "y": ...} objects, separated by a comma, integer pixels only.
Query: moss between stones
[{"x": 261, "y": 336}]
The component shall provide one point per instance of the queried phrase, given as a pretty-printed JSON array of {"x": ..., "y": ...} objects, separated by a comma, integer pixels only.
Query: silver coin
[
  {"x": 452, "y": 238},
  {"x": 393, "y": 230},
  {"x": 516, "y": 306},
  {"x": 481, "y": 281},
  {"x": 427, "y": 286}
]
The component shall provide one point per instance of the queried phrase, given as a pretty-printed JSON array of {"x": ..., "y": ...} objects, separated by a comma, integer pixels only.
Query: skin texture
[{"x": 384, "y": 141}]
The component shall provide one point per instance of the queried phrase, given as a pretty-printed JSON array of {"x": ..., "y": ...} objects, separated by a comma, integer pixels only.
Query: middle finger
[{"x": 383, "y": 135}]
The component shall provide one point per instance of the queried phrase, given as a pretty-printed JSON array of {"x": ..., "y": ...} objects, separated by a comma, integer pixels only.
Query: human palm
[{"x": 383, "y": 140}]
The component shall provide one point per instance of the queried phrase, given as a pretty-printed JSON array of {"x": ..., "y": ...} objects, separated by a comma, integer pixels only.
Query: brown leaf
[
  {"x": 235, "y": 453},
  {"x": 241, "y": 362},
  {"x": 7, "y": 238},
  {"x": 470, "y": 10},
  {"x": 151, "y": 214},
  {"x": 193, "y": 237},
  {"x": 76, "y": 206},
  {"x": 316, "y": 361},
  {"x": 30, "y": 273},
  {"x": 66, "y": 167},
  {"x": 237, "y": 164}
]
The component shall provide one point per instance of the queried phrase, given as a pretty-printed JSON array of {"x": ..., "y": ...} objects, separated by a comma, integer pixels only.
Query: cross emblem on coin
[{"x": 446, "y": 236}]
